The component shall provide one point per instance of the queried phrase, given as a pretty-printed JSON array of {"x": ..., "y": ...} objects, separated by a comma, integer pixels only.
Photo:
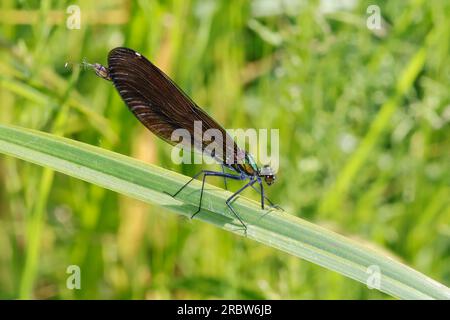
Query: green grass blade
[{"x": 276, "y": 229}]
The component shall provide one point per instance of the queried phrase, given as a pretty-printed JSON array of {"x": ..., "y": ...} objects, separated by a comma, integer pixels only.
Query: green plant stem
[{"x": 276, "y": 229}]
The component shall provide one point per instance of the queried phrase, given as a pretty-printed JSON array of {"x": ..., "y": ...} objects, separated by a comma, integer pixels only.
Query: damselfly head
[{"x": 268, "y": 174}]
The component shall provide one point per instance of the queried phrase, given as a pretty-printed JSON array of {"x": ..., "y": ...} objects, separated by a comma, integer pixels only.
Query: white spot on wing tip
[{"x": 138, "y": 54}]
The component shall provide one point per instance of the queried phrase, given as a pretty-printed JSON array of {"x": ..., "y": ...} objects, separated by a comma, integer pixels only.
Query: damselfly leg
[
  {"x": 224, "y": 178},
  {"x": 271, "y": 204},
  {"x": 225, "y": 175},
  {"x": 207, "y": 173}
]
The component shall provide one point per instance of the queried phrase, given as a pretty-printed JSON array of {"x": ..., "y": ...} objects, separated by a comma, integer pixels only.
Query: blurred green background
[{"x": 361, "y": 152}]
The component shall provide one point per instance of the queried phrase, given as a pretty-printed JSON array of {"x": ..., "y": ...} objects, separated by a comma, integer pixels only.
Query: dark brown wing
[{"x": 161, "y": 105}]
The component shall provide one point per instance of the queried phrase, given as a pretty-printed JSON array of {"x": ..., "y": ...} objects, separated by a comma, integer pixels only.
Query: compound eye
[{"x": 269, "y": 179}]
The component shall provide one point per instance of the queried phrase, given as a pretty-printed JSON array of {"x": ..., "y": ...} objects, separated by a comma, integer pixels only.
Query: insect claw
[
  {"x": 173, "y": 196},
  {"x": 276, "y": 206},
  {"x": 192, "y": 217}
]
